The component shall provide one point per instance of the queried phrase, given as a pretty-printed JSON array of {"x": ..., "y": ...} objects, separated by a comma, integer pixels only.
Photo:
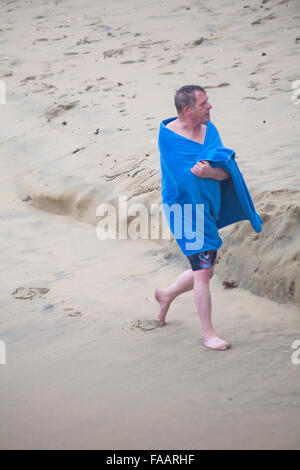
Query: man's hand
[{"x": 203, "y": 169}]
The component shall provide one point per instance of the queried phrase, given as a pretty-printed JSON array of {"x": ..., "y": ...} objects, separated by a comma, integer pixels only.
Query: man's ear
[{"x": 187, "y": 109}]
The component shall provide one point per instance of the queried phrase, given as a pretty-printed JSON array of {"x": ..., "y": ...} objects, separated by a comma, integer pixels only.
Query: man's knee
[{"x": 203, "y": 275}]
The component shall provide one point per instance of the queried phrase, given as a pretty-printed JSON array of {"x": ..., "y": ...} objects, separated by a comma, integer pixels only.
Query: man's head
[{"x": 192, "y": 104}]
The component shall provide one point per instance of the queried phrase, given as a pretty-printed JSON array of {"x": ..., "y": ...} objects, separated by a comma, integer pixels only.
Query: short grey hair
[{"x": 185, "y": 96}]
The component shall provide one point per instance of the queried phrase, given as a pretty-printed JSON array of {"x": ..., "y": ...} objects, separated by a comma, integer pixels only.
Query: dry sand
[{"x": 80, "y": 372}]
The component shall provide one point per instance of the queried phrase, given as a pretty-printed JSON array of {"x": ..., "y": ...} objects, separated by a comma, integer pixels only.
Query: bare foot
[
  {"x": 164, "y": 302},
  {"x": 214, "y": 342}
]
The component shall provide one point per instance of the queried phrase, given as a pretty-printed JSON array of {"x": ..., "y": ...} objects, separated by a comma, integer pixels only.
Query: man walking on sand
[{"x": 192, "y": 123}]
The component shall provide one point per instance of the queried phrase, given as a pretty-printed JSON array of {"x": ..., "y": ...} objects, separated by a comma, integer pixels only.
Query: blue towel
[{"x": 195, "y": 208}]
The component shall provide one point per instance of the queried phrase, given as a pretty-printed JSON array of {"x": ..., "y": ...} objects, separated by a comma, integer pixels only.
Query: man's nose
[{"x": 209, "y": 106}]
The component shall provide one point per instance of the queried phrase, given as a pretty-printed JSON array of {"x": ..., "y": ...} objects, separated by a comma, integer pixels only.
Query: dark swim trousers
[{"x": 202, "y": 260}]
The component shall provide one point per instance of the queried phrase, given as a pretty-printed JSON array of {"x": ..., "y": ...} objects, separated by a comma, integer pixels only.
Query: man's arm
[
  {"x": 220, "y": 174},
  {"x": 203, "y": 169}
]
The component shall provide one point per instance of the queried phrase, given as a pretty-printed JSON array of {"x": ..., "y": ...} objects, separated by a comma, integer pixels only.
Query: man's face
[{"x": 200, "y": 111}]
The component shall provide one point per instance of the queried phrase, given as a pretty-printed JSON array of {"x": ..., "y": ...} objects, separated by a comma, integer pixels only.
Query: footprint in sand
[
  {"x": 218, "y": 86},
  {"x": 72, "y": 313},
  {"x": 29, "y": 292},
  {"x": 254, "y": 98},
  {"x": 262, "y": 20},
  {"x": 58, "y": 110},
  {"x": 26, "y": 79},
  {"x": 146, "y": 325}
]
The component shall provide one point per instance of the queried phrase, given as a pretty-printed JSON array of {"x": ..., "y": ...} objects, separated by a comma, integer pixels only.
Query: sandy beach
[{"x": 87, "y": 365}]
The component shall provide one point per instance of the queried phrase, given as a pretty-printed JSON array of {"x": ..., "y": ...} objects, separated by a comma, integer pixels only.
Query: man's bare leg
[
  {"x": 203, "y": 303},
  {"x": 164, "y": 297},
  {"x": 199, "y": 281}
]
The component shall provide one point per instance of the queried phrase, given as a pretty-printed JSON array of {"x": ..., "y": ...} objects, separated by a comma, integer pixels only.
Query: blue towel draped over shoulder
[{"x": 189, "y": 200}]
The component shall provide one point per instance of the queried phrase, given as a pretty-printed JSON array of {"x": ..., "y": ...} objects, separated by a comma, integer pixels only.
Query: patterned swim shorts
[{"x": 203, "y": 260}]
